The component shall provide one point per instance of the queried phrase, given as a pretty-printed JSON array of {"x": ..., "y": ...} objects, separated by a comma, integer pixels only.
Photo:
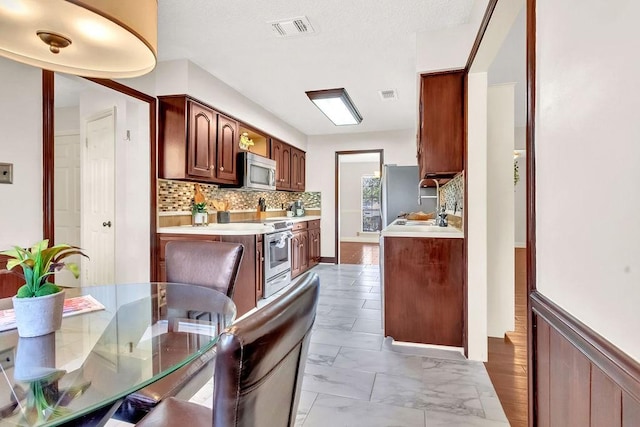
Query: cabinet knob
[
  {"x": 221, "y": 168},
  {"x": 106, "y": 224}
]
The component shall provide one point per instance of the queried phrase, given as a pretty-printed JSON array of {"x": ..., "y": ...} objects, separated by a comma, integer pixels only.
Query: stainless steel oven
[{"x": 277, "y": 258}]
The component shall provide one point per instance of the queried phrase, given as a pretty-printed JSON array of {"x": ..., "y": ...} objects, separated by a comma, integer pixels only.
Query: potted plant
[{"x": 38, "y": 303}]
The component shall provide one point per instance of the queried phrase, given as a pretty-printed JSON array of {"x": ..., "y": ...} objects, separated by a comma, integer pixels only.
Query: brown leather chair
[
  {"x": 200, "y": 263},
  {"x": 259, "y": 367},
  {"x": 210, "y": 264}
]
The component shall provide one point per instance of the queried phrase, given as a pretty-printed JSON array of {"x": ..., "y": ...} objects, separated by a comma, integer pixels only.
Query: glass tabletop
[{"x": 144, "y": 332}]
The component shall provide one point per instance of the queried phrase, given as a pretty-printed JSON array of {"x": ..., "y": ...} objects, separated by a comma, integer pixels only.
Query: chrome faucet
[{"x": 437, "y": 196}]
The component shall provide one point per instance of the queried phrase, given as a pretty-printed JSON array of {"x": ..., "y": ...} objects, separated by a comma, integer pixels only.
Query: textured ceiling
[{"x": 361, "y": 45}]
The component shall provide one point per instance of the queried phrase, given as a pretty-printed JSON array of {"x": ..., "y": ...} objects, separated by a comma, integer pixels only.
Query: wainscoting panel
[{"x": 581, "y": 379}]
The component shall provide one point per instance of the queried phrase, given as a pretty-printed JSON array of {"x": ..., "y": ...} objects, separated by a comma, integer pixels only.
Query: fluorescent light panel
[{"x": 336, "y": 105}]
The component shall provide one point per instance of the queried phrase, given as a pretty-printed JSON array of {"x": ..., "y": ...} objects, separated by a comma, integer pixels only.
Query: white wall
[
  {"x": 476, "y": 205},
  {"x": 399, "y": 148},
  {"x": 520, "y": 196},
  {"x": 21, "y": 144},
  {"x": 587, "y": 148},
  {"x": 500, "y": 210},
  {"x": 351, "y": 174}
]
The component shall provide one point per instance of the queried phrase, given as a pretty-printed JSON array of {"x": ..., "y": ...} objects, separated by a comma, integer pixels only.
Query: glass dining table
[{"x": 114, "y": 340}]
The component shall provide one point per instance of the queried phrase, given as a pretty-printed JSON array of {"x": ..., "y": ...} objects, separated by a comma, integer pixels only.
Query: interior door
[
  {"x": 67, "y": 198},
  {"x": 98, "y": 192}
]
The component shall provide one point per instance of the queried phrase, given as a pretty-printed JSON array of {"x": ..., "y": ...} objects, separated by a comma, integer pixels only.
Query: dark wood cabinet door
[
  {"x": 281, "y": 153},
  {"x": 302, "y": 165},
  {"x": 423, "y": 290},
  {"x": 304, "y": 251},
  {"x": 314, "y": 247},
  {"x": 201, "y": 141},
  {"x": 259, "y": 267},
  {"x": 295, "y": 168},
  {"x": 227, "y": 150},
  {"x": 296, "y": 262},
  {"x": 442, "y": 123}
]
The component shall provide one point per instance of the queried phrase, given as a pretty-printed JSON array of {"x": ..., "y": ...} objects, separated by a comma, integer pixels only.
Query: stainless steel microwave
[{"x": 256, "y": 172}]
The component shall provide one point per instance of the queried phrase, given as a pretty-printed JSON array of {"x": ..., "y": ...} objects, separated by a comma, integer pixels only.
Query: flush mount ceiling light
[
  {"x": 336, "y": 105},
  {"x": 92, "y": 38}
]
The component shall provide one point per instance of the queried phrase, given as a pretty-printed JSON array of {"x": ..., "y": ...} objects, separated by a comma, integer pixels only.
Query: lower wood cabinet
[
  {"x": 305, "y": 246},
  {"x": 423, "y": 290},
  {"x": 314, "y": 242},
  {"x": 248, "y": 287},
  {"x": 9, "y": 283}
]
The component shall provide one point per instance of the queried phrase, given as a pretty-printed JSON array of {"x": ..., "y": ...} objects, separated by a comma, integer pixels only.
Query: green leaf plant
[{"x": 38, "y": 264}]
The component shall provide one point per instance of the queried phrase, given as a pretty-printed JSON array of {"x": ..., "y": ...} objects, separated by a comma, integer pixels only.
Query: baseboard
[
  {"x": 328, "y": 260},
  {"x": 578, "y": 374},
  {"x": 361, "y": 239}
]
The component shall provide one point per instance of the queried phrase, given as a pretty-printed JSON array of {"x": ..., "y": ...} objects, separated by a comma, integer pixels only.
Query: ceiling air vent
[
  {"x": 292, "y": 27},
  {"x": 388, "y": 94}
]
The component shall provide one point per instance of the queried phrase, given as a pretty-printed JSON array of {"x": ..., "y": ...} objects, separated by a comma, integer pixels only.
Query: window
[{"x": 371, "y": 217}]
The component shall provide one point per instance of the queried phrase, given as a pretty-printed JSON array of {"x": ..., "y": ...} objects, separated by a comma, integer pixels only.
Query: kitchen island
[{"x": 423, "y": 283}]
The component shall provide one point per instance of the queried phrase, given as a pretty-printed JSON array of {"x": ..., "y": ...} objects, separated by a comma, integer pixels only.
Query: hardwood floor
[
  {"x": 507, "y": 365},
  {"x": 359, "y": 253}
]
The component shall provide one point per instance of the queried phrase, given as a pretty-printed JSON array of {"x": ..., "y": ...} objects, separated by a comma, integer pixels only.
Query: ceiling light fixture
[
  {"x": 336, "y": 105},
  {"x": 91, "y": 38}
]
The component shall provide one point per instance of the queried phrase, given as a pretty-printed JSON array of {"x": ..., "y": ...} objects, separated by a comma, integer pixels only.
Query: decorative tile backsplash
[
  {"x": 177, "y": 196},
  {"x": 452, "y": 194}
]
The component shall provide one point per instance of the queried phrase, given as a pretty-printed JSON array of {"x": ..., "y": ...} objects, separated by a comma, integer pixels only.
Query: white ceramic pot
[{"x": 39, "y": 315}]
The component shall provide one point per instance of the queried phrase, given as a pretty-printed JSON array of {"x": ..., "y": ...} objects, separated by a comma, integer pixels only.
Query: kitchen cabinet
[
  {"x": 423, "y": 290},
  {"x": 305, "y": 246},
  {"x": 247, "y": 285},
  {"x": 195, "y": 142},
  {"x": 298, "y": 169},
  {"x": 290, "y": 166},
  {"x": 281, "y": 153},
  {"x": 227, "y": 148},
  {"x": 314, "y": 242},
  {"x": 441, "y": 134},
  {"x": 299, "y": 249},
  {"x": 9, "y": 283},
  {"x": 259, "y": 267}
]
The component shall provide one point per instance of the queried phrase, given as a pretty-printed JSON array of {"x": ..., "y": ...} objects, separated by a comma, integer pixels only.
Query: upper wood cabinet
[
  {"x": 298, "y": 166},
  {"x": 227, "y": 148},
  {"x": 441, "y": 134},
  {"x": 195, "y": 142},
  {"x": 290, "y": 166},
  {"x": 281, "y": 153}
]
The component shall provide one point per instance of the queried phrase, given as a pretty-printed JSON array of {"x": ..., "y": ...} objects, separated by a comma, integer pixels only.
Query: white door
[
  {"x": 67, "y": 198},
  {"x": 98, "y": 194}
]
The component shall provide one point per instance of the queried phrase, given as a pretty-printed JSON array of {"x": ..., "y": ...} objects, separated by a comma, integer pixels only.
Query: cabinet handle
[
  {"x": 106, "y": 224},
  {"x": 221, "y": 168}
]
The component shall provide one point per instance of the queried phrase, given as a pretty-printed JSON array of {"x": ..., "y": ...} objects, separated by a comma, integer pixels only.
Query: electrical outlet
[{"x": 6, "y": 173}]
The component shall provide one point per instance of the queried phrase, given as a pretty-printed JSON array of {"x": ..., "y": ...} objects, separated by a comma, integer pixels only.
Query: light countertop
[
  {"x": 232, "y": 228},
  {"x": 421, "y": 229}
]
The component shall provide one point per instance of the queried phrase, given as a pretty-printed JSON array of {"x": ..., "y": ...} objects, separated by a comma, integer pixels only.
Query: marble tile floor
[{"x": 356, "y": 377}]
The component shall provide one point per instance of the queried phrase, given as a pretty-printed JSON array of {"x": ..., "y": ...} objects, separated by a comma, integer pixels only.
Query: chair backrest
[
  {"x": 260, "y": 361},
  {"x": 210, "y": 264}
]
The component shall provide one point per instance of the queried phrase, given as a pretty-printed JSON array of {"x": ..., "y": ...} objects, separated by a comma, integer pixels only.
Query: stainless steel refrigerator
[{"x": 400, "y": 192}]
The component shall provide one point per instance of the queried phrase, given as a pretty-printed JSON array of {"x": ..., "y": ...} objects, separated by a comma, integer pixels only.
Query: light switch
[{"x": 6, "y": 173}]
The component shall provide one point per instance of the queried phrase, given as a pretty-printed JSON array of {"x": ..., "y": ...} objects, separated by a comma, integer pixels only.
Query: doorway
[
  {"x": 358, "y": 206},
  {"x": 102, "y": 143}
]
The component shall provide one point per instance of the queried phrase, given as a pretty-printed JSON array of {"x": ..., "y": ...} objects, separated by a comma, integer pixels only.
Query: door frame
[
  {"x": 48, "y": 130},
  {"x": 336, "y": 192}
]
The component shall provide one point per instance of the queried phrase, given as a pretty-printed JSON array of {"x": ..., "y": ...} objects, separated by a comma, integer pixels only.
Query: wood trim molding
[
  {"x": 483, "y": 28},
  {"x": 531, "y": 208},
  {"x": 48, "y": 108},
  {"x": 48, "y": 155},
  {"x": 336, "y": 192},
  {"x": 621, "y": 368}
]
